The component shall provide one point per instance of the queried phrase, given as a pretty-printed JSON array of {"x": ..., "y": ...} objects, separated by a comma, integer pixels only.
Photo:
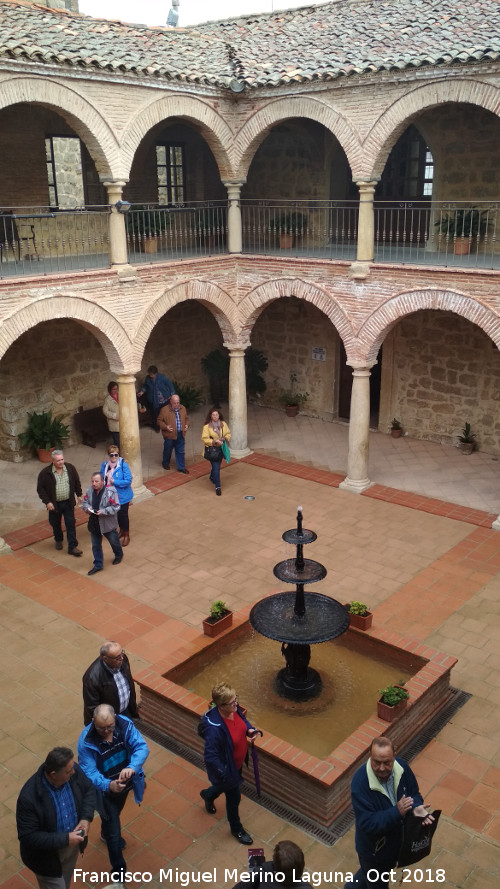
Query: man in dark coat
[
  {"x": 383, "y": 792},
  {"x": 57, "y": 487},
  {"x": 108, "y": 680},
  {"x": 53, "y": 813}
]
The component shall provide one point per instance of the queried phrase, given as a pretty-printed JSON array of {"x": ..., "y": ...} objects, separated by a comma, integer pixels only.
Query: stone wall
[
  {"x": 286, "y": 332},
  {"x": 56, "y": 366},
  {"x": 443, "y": 372}
]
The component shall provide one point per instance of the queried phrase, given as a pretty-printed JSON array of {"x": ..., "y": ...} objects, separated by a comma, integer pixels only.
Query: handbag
[
  {"x": 225, "y": 451},
  {"x": 417, "y": 839},
  {"x": 212, "y": 452}
]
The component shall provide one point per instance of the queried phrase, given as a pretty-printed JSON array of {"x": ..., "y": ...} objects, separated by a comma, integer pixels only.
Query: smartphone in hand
[{"x": 256, "y": 858}]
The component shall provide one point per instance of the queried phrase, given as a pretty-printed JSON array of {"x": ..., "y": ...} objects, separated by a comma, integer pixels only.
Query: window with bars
[{"x": 170, "y": 167}]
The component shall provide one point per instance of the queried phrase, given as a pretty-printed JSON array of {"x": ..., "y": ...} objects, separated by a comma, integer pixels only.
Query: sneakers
[
  {"x": 209, "y": 803},
  {"x": 243, "y": 837}
]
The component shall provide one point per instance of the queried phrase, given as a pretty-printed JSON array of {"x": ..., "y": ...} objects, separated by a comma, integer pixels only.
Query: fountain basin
[{"x": 318, "y": 787}]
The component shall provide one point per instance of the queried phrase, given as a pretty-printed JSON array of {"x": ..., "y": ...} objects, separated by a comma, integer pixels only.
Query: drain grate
[{"x": 328, "y": 835}]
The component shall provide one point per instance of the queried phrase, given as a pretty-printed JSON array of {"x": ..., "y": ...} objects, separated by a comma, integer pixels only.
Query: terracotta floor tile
[{"x": 472, "y": 815}]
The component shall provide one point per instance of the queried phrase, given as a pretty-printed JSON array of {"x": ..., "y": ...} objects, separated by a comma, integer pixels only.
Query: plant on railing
[
  {"x": 144, "y": 222},
  {"x": 289, "y": 223},
  {"x": 392, "y": 695},
  {"x": 462, "y": 223}
]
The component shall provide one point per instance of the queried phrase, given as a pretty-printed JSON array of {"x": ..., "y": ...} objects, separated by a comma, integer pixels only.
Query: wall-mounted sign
[{"x": 318, "y": 353}]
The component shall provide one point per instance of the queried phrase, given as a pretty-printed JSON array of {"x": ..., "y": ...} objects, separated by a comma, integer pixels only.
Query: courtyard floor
[{"x": 417, "y": 546}]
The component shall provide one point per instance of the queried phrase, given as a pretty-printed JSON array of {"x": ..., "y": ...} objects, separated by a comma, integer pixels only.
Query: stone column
[
  {"x": 359, "y": 430},
  {"x": 237, "y": 401},
  {"x": 234, "y": 229},
  {"x": 366, "y": 222},
  {"x": 130, "y": 443},
  {"x": 118, "y": 254}
]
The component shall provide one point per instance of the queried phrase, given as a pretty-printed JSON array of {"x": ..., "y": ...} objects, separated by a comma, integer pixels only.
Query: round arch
[
  {"x": 216, "y": 132},
  {"x": 257, "y": 300},
  {"x": 398, "y": 116},
  {"x": 88, "y": 123},
  {"x": 374, "y": 330},
  {"x": 106, "y": 329},
  {"x": 210, "y": 295},
  {"x": 257, "y": 127}
]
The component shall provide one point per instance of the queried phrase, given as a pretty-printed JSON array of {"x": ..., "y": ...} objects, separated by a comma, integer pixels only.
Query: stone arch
[
  {"x": 215, "y": 130},
  {"x": 257, "y": 127},
  {"x": 88, "y": 123},
  {"x": 257, "y": 300},
  {"x": 392, "y": 123},
  {"x": 213, "y": 297},
  {"x": 106, "y": 329},
  {"x": 374, "y": 330}
]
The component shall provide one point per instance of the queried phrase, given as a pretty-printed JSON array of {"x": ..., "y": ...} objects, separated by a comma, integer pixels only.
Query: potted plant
[
  {"x": 360, "y": 616},
  {"x": 288, "y": 226},
  {"x": 145, "y": 226},
  {"x": 467, "y": 440},
  {"x": 216, "y": 367},
  {"x": 219, "y": 619},
  {"x": 255, "y": 365},
  {"x": 292, "y": 399},
  {"x": 396, "y": 428},
  {"x": 190, "y": 396},
  {"x": 44, "y": 433},
  {"x": 392, "y": 702},
  {"x": 463, "y": 225}
]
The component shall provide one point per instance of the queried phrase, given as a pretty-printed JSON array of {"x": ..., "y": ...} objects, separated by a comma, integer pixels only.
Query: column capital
[
  {"x": 233, "y": 183},
  {"x": 234, "y": 348},
  {"x": 126, "y": 376}
]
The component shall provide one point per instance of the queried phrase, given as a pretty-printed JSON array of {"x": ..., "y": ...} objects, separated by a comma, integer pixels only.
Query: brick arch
[
  {"x": 393, "y": 122},
  {"x": 87, "y": 122},
  {"x": 215, "y": 130},
  {"x": 375, "y": 329},
  {"x": 213, "y": 297},
  {"x": 257, "y": 300},
  {"x": 115, "y": 342},
  {"x": 257, "y": 127}
]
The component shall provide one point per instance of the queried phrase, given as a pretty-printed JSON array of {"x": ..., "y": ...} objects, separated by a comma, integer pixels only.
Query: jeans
[
  {"x": 233, "y": 797},
  {"x": 215, "y": 472},
  {"x": 113, "y": 803},
  {"x": 114, "y": 542},
  {"x": 116, "y": 438},
  {"x": 177, "y": 445},
  {"x": 64, "y": 509}
]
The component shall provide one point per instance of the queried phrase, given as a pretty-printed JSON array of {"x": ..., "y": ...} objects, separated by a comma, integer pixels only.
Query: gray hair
[
  {"x": 104, "y": 649},
  {"x": 56, "y": 453},
  {"x": 103, "y": 710}
]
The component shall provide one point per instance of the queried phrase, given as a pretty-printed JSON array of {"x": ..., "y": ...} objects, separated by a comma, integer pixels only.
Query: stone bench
[{"x": 92, "y": 426}]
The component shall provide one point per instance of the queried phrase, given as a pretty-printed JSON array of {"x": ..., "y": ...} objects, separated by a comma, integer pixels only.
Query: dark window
[
  {"x": 409, "y": 171},
  {"x": 170, "y": 169}
]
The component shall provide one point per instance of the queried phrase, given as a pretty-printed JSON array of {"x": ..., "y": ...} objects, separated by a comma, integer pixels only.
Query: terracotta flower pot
[
  {"x": 44, "y": 456},
  {"x": 389, "y": 714},
  {"x": 291, "y": 410},
  {"x": 396, "y": 433},
  {"x": 361, "y": 621},
  {"x": 213, "y": 626}
]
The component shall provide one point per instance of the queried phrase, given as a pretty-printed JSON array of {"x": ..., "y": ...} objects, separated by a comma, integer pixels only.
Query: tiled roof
[{"x": 294, "y": 46}]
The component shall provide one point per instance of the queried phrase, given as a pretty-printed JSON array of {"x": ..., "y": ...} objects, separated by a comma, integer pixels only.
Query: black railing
[{"x": 39, "y": 241}]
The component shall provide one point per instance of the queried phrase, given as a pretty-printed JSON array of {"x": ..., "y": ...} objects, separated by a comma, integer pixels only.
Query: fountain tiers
[{"x": 289, "y": 774}]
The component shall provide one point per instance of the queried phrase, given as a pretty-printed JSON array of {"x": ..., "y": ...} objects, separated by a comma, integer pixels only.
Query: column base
[
  {"x": 4, "y": 548},
  {"x": 141, "y": 493},
  {"x": 124, "y": 271},
  {"x": 360, "y": 269},
  {"x": 355, "y": 485},
  {"x": 495, "y": 525},
  {"x": 237, "y": 455}
]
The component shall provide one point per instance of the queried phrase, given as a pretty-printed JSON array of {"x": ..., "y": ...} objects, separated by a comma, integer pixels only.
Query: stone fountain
[{"x": 299, "y": 620}]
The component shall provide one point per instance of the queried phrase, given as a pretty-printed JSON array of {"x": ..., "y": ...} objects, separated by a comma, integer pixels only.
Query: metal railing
[
  {"x": 39, "y": 241},
  {"x": 326, "y": 229},
  {"x": 159, "y": 234}
]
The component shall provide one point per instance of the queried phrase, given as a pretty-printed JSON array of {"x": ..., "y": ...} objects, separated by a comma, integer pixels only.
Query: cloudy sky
[{"x": 153, "y": 12}]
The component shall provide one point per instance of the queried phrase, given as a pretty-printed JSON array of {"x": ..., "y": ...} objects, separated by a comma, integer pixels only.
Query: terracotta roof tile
[{"x": 312, "y": 43}]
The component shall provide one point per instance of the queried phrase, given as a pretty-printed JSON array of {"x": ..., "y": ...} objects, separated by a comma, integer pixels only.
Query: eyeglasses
[
  {"x": 114, "y": 454},
  {"x": 104, "y": 729},
  {"x": 233, "y": 702},
  {"x": 115, "y": 657}
]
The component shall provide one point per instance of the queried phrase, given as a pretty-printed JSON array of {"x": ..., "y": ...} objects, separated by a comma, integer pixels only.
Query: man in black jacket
[
  {"x": 57, "y": 487},
  {"x": 108, "y": 680},
  {"x": 53, "y": 813}
]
